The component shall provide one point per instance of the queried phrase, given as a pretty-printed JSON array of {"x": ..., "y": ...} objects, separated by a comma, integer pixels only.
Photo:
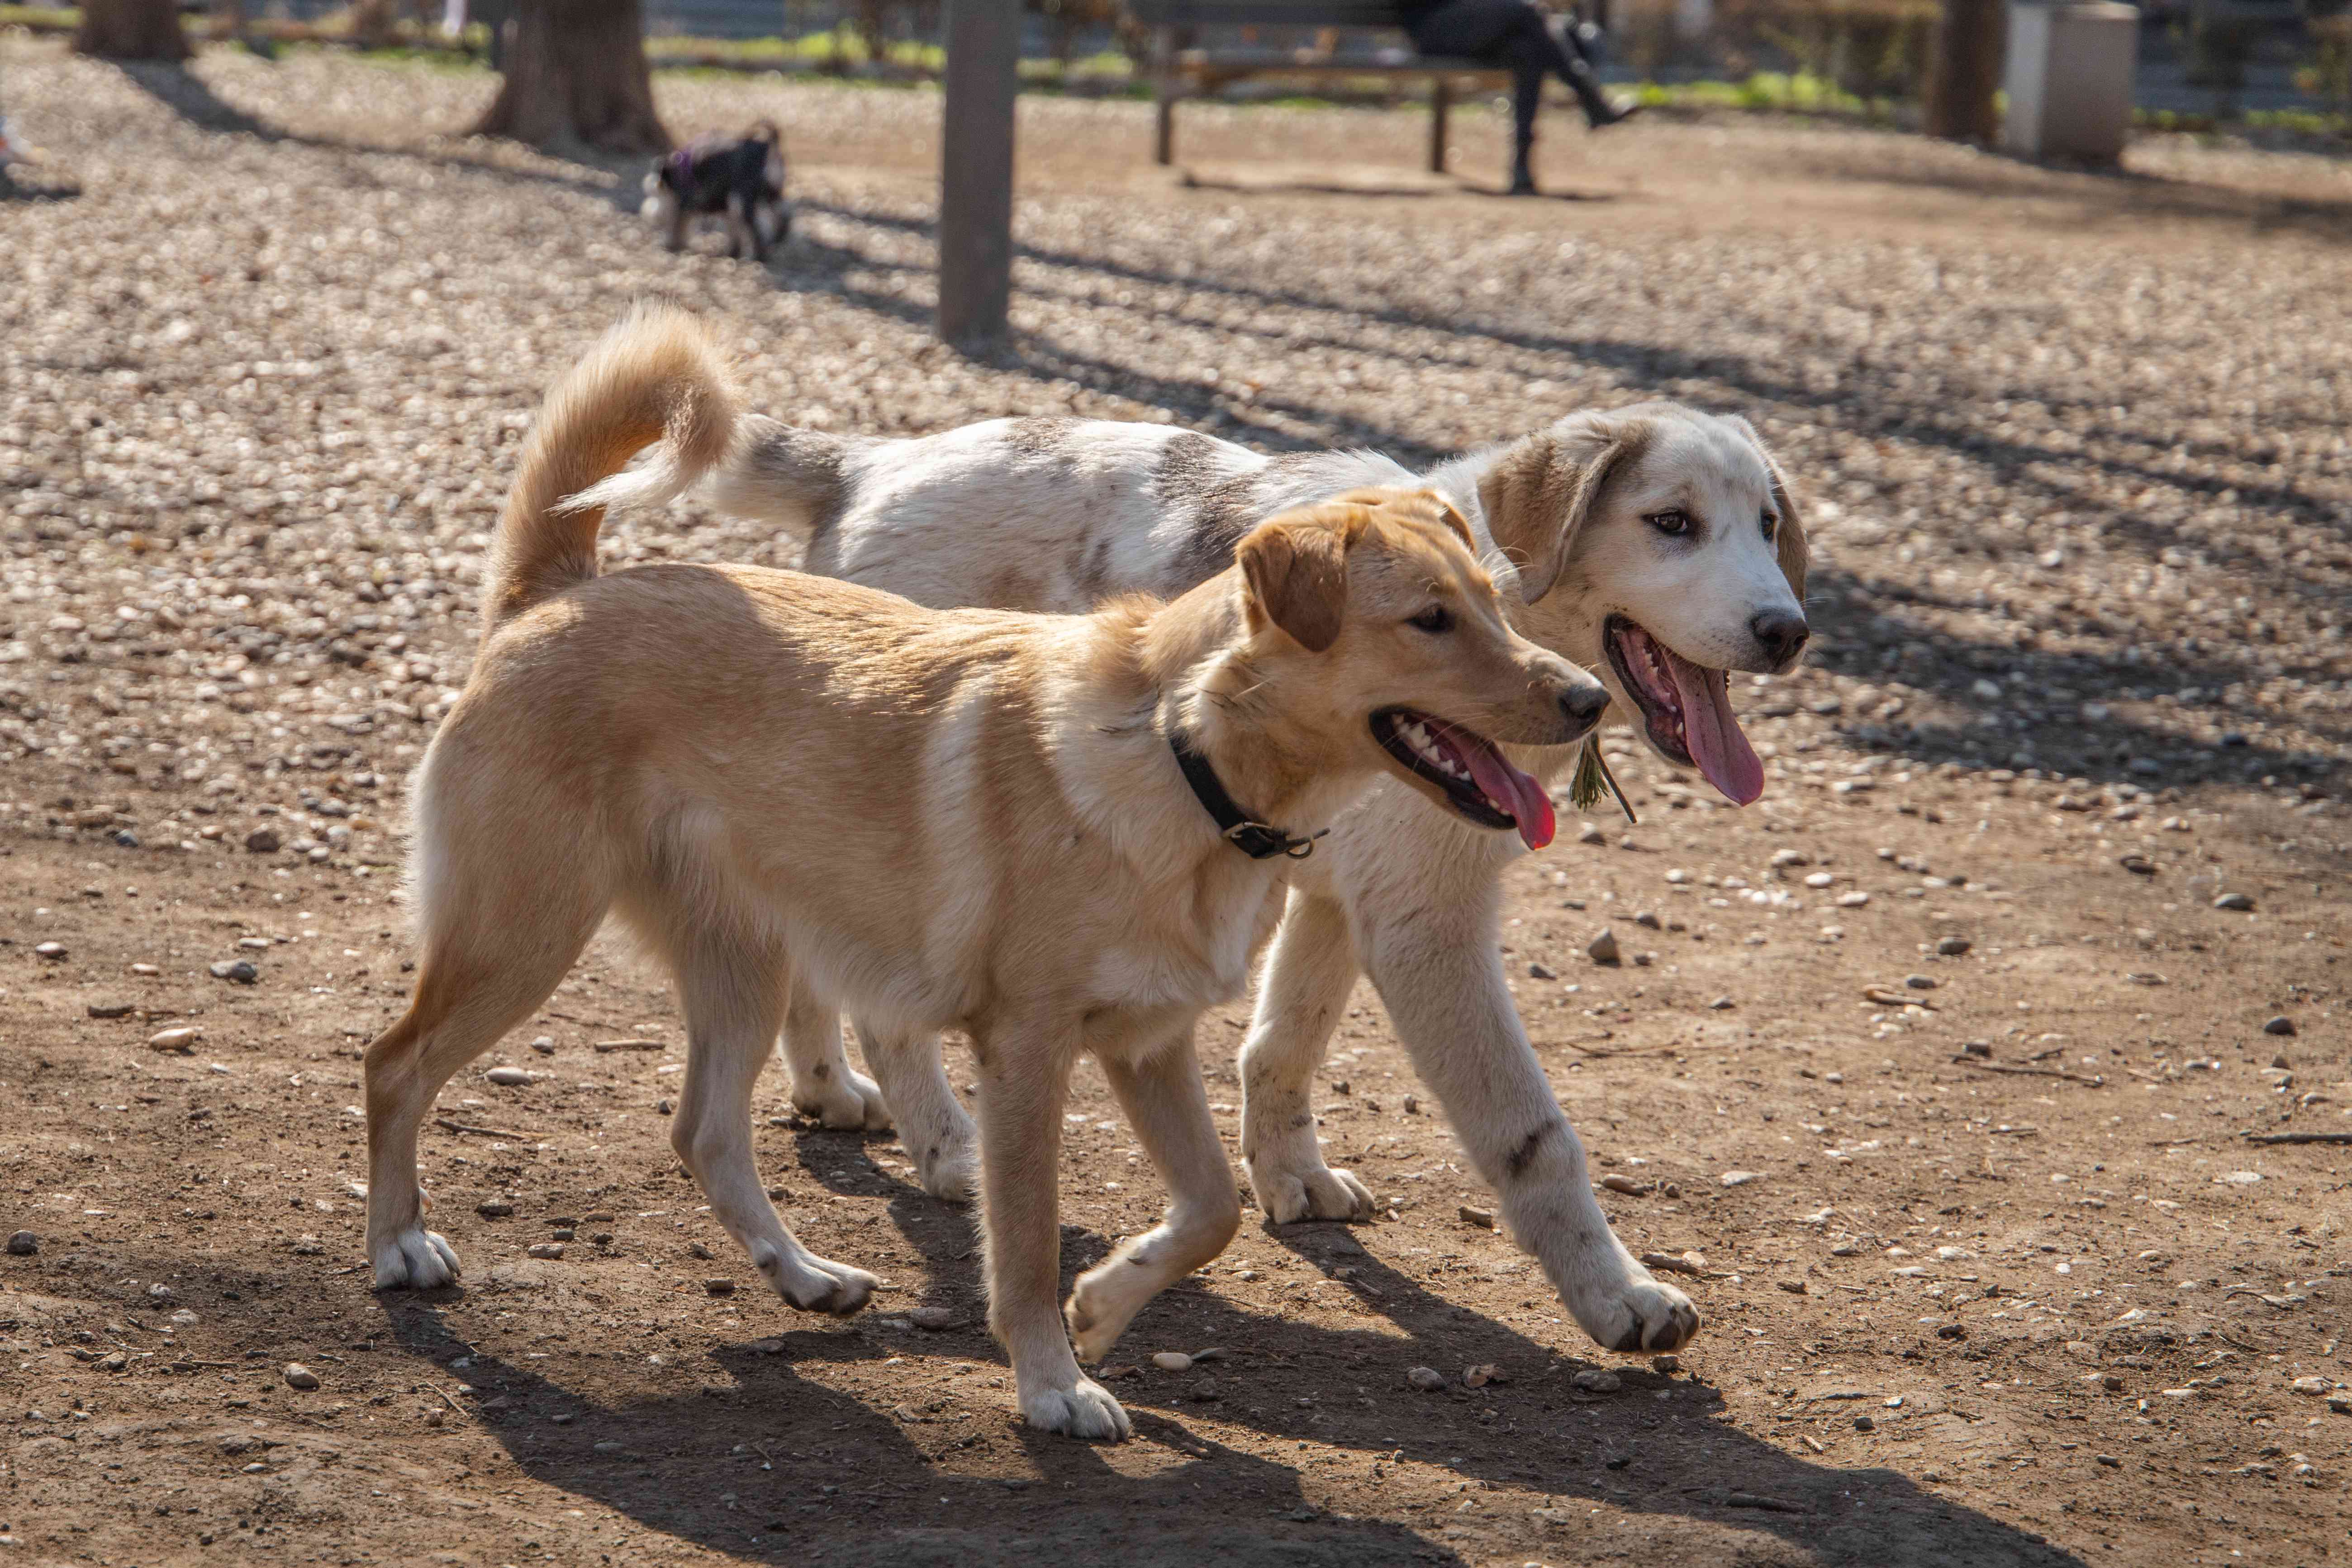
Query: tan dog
[{"x": 959, "y": 819}]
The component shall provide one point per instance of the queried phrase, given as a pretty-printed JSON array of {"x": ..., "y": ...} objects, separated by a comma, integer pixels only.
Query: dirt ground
[{"x": 1935, "y": 1070}]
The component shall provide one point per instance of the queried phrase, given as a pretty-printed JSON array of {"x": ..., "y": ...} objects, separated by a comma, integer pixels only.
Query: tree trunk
[
  {"x": 131, "y": 30},
  {"x": 575, "y": 70},
  {"x": 1964, "y": 71}
]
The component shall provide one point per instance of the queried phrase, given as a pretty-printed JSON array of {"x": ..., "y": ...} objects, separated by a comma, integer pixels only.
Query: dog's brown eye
[
  {"x": 1672, "y": 520},
  {"x": 1436, "y": 619},
  {"x": 1769, "y": 525}
]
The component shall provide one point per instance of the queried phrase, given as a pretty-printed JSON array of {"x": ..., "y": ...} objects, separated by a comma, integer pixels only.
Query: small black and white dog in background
[{"x": 741, "y": 180}]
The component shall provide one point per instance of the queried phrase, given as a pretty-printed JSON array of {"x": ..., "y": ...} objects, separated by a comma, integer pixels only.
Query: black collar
[{"x": 1251, "y": 838}]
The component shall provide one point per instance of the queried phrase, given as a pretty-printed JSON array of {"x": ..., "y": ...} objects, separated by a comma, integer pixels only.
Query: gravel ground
[{"x": 2073, "y": 453}]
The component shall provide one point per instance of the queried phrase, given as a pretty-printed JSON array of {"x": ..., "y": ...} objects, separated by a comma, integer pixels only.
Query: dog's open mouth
[
  {"x": 1687, "y": 710},
  {"x": 1479, "y": 781}
]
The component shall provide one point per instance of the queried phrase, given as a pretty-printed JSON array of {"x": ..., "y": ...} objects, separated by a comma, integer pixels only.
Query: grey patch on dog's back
[
  {"x": 1088, "y": 567},
  {"x": 1216, "y": 510},
  {"x": 1039, "y": 434},
  {"x": 791, "y": 465}
]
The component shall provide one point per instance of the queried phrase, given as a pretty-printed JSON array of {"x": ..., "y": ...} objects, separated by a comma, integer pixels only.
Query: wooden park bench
[{"x": 1183, "y": 67}]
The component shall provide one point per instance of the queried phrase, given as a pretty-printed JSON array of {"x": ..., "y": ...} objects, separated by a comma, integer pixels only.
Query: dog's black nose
[
  {"x": 1584, "y": 705},
  {"x": 1779, "y": 633}
]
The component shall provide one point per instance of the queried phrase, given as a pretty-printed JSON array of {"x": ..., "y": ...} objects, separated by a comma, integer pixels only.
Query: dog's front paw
[
  {"x": 1308, "y": 1191},
  {"x": 1084, "y": 1410},
  {"x": 414, "y": 1260},
  {"x": 816, "y": 1284},
  {"x": 843, "y": 1098},
  {"x": 1633, "y": 1312}
]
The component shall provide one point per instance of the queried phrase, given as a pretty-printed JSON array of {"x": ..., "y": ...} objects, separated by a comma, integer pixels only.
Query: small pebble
[
  {"x": 664, "y": 1108},
  {"x": 24, "y": 1244},
  {"x": 1741, "y": 1178},
  {"x": 544, "y": 1044},
  {"x": 2279, "y": 1060},
  {"x": 1954, "y": 946},
  {"x": 1863, "y": 1424},
  {"x": 239, "y": 971},
  {"x": 2317, "y": 1387},
  {"x": 262, "y": 841},
  {"x": 546, "y": 1249},
  {"x": 2111, "y": 1462},
  {"x": 1647, "y": 921},
  {"x": 52, "y": 951},
  {"x": 1852, "y": 901},
  {"x": 2112, "y": 1384},
  {"x": 2233, "y": 902},
  {"x": 182, "y": 1039},
  {"x": 1977, "y": 1048},
  {"x": 1665, "y": 1365},
  {"x": 300, "y": 1376},
  {"x": 2281, "y": 1025},
  {"x": 146, "y": 970},
  {"x": 494, "y": 1208},
  {"x": 1722, "y": 1005},
  {"x": 1598, "y": 1380},
  {"x": 1603, "y": 948},
  {"x": 1478, "y": 1217},
  {"x": 510, "y": 1078},
  {"x": 1626, "y": 1184},
  {"x": 1919, "y": 982},
  {"x": 111, "y": 1009},
  {"x": 1793, "y": 1287},
  {"x": 717, "y": 1286},
  {"x": 1172, "y": 1361},
  {"x": 936, "y": 1320},
  {"x": 1480, "y": 1376},
  {"x": 1589, "y": 834},
  {"x": 1538, "y": 971},
  {"x": 1427, "y": 1379},
  {"x": 1205, "y": 1391}
]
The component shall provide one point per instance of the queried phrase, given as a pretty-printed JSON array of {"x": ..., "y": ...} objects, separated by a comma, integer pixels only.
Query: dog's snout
[
  {"x": 1582, "y": 704},
  {"x": 1781, "y": 634}
]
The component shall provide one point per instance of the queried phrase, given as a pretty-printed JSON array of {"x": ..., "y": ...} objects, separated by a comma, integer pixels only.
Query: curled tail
[{"x": 655, "y": 377}]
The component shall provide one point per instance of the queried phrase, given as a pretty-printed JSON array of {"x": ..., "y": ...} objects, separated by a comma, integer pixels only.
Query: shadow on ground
[{"x": 757, "y": 1453}]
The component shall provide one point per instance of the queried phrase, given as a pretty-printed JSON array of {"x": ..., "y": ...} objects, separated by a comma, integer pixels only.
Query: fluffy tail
[{"x": 656, "y": 377}]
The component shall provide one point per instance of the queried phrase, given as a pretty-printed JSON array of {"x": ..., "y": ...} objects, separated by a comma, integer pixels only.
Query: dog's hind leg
[
  {"x": 1308, "y": 974},
  {"x": 490, "y": 960},
  {"x": 735, "y": 997},
  {"x": 1168, "y": 1105},
  {"x": 932, "y": 1123},
  {"x": 824, "y": 1085}
]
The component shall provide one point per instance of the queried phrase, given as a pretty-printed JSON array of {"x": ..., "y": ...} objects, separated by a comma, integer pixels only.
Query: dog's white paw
[
  {"x": 414, "y": 1260},
  {"x": 816, "y": 1284},
  {"x": 1085, "y": 1410},
  {"x": 843, "y": 1098},
  {"x": 949, "y": 1169},
  {"x": 1629, "y": 1310},
  {"x": 1308, "y": 1191}
]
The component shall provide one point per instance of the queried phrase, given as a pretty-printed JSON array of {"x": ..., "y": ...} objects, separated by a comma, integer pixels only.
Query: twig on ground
[
  {"x": 444, "y": 1121},
  {"x": 2253, "y": 1137},
  {"x": 2030, "y": 1072}
]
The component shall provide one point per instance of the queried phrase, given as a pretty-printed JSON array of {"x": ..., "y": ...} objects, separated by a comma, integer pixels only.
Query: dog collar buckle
[
  {"x": 1254, "y": 838},
  {"x": 1260, "y": 842}
]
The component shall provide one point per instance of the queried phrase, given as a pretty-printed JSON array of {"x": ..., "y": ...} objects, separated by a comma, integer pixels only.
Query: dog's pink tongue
[
  {"x": 1717, "y": 744},
  {"x": 1512, "y": 790}
]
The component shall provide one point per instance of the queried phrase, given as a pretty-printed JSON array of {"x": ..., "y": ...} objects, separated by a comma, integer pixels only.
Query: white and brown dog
[
  {"x": 1655, "y": 544},
  {"x": 1023, "y": 827}
]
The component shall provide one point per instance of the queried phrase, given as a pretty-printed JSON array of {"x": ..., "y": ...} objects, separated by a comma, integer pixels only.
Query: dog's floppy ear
[
  {"x": 1539, "y": 491},
  {"x": 1789, "y": 536},
  {"x": 1296, "y": 570}
]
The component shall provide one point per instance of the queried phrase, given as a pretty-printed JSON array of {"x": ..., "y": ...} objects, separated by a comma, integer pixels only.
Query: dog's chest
[{"x": 1194, "y": 954}]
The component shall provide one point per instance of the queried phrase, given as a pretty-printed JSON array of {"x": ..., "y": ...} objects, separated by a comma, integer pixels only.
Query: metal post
[{"x": 976, "y": 168}]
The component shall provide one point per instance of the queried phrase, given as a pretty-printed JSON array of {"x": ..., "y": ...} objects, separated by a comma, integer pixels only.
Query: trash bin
[{"x": 2070, "y": 78}]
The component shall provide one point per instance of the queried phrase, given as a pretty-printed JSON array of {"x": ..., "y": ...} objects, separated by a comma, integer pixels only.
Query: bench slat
[{"x": 1266, "y": 13}]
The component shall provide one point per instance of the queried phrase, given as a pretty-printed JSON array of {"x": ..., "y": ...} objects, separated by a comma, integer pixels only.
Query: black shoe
[
  {"x": 1523, "y": 179},
  {"x": 1614, "y": 114}
]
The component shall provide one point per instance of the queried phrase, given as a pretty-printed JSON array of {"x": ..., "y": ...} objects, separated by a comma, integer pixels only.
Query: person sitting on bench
[{"x": 1518, "y": 35}]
